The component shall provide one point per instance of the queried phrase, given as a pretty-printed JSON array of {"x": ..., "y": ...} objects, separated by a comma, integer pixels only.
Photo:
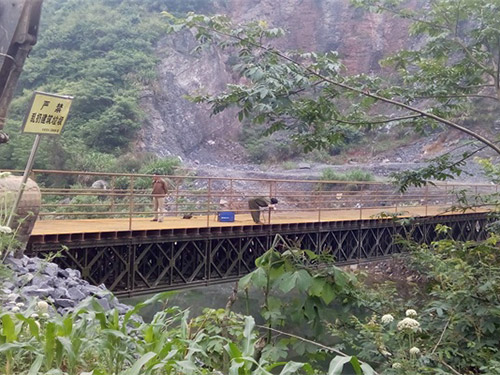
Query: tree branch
[
  {"x": 409, "y": 117},
  {"x": 497, "y": 80},
  {"x": 361, "y": 91},
  {"x": 474, "y": 60},
  {"x": 476, "y": 86},
  {"x": 458, "y": 96},
  {"x": 441, "y": 337},
  {"x": 330, "y": 349},
  {"x": 411, "y": 18},
  {"x": 449, "y": 367}
]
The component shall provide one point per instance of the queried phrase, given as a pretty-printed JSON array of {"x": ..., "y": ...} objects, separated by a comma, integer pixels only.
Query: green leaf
[
  {"x": 287, "y": 281},
  {"x": 304, "y": 280},
  {"x": 68, "y": 347},
  {"x": 337, "y": 365},
  {"x": 291, "y": 368},
  {"x": 317, "y": 285},
  {"x": 258, "y": 278},
  {"x": 68, "y": 325},
  {"x": 115, "y": 333},
  {"x": 10, "y": 346},
  {"x": 149, "y": 334},
  {"x": 50, "y": 340},
  {"x": 34, "y": 330},
  {"x": 245, "y": 281},
  {"x": 136, "y": 368},
  {"x": 328, "y": 293},
  {"x": 8, "y": 328},
  {"x": 341, "y": 278},
  {"x": 233, "y": 350},
  {"x": 248, "y": 347},
  {"x": 367, "y": 369},
  {"x": 36, "y": 365},
  {"x": 356, "y": 365},
  {"x": 187, "y": 367}
]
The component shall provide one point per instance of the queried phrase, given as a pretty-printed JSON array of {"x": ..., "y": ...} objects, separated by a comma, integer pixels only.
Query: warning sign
[{"x": 47, "y": 113}]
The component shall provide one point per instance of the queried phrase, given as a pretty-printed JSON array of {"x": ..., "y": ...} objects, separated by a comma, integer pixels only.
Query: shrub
[
  {"x": 329, "y": 174},
  {"x": 165, "y": 166},
  {"x": 357, "y": 175}
]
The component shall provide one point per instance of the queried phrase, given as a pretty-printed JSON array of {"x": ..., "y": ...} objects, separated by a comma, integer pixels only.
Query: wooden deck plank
[{"x": 52, "y": 227}]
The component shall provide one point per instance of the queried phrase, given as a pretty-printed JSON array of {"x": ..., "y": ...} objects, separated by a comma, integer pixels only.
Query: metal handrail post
[
  {"x": 209, "y": 200},
  {"x": 176, "y": 196},
  {"x": 231, "y": 192},
  {"x": 320, "y": 201},
  {"x": 275, "y": 194},
  {"x": 361, "y": 204},
  {"x": 113, "y": 182},
  {"x": 270, "y": 196},
  {"x": 426, "y": 198},
  {"x": 131, "y": 202}
]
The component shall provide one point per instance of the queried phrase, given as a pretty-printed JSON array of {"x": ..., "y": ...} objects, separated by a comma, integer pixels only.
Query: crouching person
[{"x": 257, "y": 204}]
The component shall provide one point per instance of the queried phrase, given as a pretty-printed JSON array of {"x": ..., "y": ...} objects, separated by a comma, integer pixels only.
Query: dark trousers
[{"x": 254, "y": 205}]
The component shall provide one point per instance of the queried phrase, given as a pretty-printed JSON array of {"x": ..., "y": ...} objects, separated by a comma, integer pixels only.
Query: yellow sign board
[{"x": 47, "y": 113}]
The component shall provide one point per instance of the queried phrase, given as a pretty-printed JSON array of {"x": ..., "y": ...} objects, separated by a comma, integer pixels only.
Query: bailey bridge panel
[{"x": 165, "y": 261}]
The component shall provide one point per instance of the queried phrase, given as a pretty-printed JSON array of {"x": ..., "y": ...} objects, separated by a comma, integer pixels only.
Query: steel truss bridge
[
  {"x": 159, "y": 260},
  {"x": 111, "y": 240}
]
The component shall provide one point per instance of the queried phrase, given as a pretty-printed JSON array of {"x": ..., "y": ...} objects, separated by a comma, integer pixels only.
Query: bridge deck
[
  {"x": 181, "y": 253},
  {"x": 84, "y": 226}
]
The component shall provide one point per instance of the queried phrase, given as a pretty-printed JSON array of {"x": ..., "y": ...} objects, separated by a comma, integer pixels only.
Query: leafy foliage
[
  {"x": 329, "y": 174},
  {"x": 456, "y": 327},
  {"x": 442, "y": 168},
  {"x": 302, "y": 289},
  {"x": 102, "y": 64},
  {"x": 92, "y": 340},
  {"x": 310, "y": 96}
]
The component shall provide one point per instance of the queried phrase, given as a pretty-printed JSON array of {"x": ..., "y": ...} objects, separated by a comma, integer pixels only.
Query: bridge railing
[{"x": 87, "y": 195}]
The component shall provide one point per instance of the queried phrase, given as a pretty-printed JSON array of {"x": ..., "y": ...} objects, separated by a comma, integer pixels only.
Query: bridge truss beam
[{"x": 143, "y": 265}]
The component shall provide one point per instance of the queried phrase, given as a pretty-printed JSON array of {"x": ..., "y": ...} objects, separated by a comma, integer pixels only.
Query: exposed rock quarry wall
[{"x": 174, "y": 126}]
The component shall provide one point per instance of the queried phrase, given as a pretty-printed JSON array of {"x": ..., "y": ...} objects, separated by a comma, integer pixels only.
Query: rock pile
[{"x": 36, "y": 279}]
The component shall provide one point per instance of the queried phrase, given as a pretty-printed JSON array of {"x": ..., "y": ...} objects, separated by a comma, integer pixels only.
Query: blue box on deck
[{"x": 225, "y": 216}]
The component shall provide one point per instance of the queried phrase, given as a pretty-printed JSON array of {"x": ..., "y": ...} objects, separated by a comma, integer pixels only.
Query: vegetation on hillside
[
  {"x": 446, "y": 323},
  {"x": 310, "y": 95},
  {"x": 102, "y": 53}
]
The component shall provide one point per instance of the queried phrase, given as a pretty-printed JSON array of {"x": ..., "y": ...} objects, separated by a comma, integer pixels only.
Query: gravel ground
[{"x": 221, "y": 158}]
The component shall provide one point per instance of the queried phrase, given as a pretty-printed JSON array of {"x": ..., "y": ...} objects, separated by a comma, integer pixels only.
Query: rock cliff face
[{"x": 174, "y": 126}]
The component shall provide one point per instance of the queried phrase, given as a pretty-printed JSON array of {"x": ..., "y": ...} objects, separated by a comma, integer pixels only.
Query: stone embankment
[{"x": 34, "y": 279}]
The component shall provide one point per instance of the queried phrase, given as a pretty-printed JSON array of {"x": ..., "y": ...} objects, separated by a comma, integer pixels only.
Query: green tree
[
  {"x": 311, "y": 95},
  {"x": 103, "y": 64}
]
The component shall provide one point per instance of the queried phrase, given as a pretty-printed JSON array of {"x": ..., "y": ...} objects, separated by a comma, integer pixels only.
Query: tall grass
[{"x": 358, "y": 175}]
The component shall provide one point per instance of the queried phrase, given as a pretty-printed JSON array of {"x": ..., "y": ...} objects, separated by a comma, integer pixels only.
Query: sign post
[{"x": 47, "y": 115}]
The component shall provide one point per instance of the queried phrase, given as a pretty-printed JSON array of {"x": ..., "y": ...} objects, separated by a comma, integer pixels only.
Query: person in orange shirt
[{"x": 160, "y": 191}]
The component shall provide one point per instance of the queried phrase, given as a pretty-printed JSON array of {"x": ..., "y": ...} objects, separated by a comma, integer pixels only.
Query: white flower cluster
[
  {"x": 5, "y": 229},
  {"x": 42, "y": 306},
  {"x": 396, "y": 365},
  {"x": 408, "y": 324},
  {"x": 411, "y": 313},
  {"x": 414, "y": 350},
  {"x": 387, "y": 318}
]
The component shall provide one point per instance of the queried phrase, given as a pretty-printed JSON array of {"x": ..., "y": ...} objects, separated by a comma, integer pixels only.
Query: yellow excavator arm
[{"x": 19, "y": 20}]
